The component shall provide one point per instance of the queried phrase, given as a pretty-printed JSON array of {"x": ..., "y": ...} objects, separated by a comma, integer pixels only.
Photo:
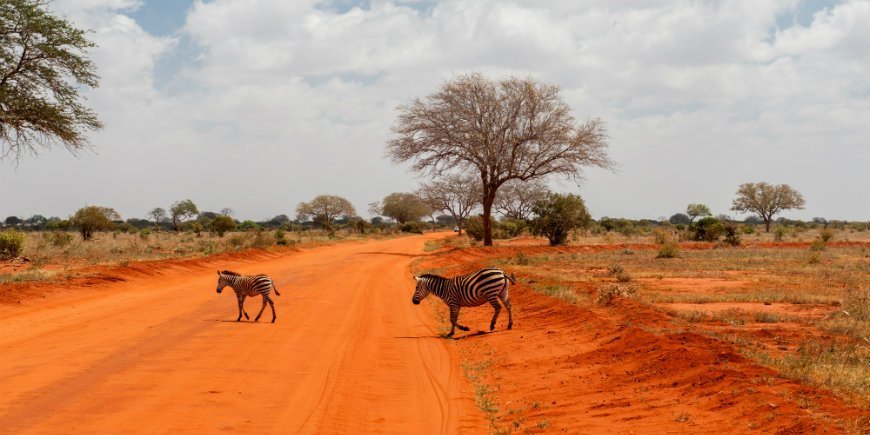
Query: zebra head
[
  {"x": 422, "y": 290},
  {"x": 225, "y": 278}
]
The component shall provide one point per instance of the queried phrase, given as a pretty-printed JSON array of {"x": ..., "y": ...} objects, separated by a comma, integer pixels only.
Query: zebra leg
[
  {"x": 454, "y": 315},
  {"x": 507, "y": 304},
  {"x": 497, "y": 308},
  {"x": 241, "y": 300},
  {"x": 257, "y": 319},
  {"x": 272, "y": 304}
]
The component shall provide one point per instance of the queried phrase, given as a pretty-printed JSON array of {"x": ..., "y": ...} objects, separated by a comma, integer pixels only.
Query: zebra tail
[
  {"x": 511, "y": 278},
  {"x": 276, "y": 289}
]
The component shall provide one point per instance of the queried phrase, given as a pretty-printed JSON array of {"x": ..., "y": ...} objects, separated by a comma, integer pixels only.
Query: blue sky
[{"x": 260, "y": 104}]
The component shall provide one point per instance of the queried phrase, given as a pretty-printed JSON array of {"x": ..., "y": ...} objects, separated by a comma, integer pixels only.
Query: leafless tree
[
  {"x": 325, "y": 209},
  {"x": 226, "y": 211},
  {"x": 766, "y": 200},
  {"x": 516, "y": 198},
  {"x": 515, "y": 128},
  {"x": 457, "y": 194}
]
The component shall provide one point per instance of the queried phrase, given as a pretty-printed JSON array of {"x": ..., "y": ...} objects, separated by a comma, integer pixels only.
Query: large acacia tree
[
  {"x": 404, "y": 207},
  {"x": 515, "y": 128},
  {"x": 43, "y": 65},
  {"x": 766, "y": 200},
  {"x": 457, "y": 194}
]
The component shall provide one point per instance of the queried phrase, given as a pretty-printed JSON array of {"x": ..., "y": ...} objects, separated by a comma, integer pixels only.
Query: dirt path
[{"x": 162, "y": 353}]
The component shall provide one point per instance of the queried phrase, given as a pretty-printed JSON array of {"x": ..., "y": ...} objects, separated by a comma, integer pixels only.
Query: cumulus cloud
[{"x": 276, "y": 101}]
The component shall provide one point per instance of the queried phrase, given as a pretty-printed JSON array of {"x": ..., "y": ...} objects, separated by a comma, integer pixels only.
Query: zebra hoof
[
  {"x": 464, "y": 328},
  {"x": 510, "y": 327},
  {"x": 273, "y": 320}
]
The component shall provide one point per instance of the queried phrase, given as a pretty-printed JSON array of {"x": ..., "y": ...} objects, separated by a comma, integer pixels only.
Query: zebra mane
[
  {"x": 231, "y": 273},
  {"x": 431, "y": 275}
]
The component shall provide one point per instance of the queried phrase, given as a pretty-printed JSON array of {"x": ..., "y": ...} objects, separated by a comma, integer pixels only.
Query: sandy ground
[{"x": 158, "y": 351}]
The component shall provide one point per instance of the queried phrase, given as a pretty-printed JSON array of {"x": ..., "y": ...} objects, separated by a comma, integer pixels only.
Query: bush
[
  {"x": 817, "y": 245},
  {"x": 144, "y": 234},
  {"x": 606, "y": 294},
  {"x": 474, "y": 227},
  {"x": 669, "y": 250},
  {"x": 512, "y": 228},
  {"x": 779, "y": 233},
  {"x": 661, "y": 235},
  {"x": 11, "y": 244},
  {"x": 558, "y": 215},
  {"x": 248, "y": 225},
  {"x": 279, "y": 238},
  {"x": 732, "y": 237},
  {"x": 826, "y": 235},
  {"x": 615, "y": 269},
  {"x": 261, "y": 241},
  {"x": 222, "y": 224},
  {"x": 197, "y": 229},
  {"x": 708, "y": 229},
  {"x": 748, "y": 229},
  {"x": 59, "y": 238},
  {"x": 416, "y": 227}
]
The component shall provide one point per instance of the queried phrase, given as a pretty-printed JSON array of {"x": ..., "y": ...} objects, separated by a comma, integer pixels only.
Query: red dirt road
[{"x": 161, "y": 352}]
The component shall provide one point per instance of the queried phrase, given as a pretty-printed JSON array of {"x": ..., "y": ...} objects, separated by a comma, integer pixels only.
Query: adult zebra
[
  {"x": 485, "y": 285},
  {"x": 248, "y": 285}
]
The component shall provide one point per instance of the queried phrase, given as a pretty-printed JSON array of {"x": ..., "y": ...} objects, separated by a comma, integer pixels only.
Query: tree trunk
[
  {"x": 767, "y": 225},
  {"x": 488, "y": 199}
]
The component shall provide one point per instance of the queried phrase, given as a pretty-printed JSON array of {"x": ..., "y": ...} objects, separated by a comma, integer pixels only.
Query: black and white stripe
[
  {"x": 486, "y": 285},
  {"x": 248, "y": 285}
]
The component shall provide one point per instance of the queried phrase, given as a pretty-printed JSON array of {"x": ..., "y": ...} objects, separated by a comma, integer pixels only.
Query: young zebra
[
  {"x": 486, "y": 285},
  {"x": 248, "y": 285}
]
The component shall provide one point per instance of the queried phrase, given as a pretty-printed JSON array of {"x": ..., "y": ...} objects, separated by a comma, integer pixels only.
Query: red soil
[
  {"x": 597, "y": 370},
  {"x": 151, "y": 348}
]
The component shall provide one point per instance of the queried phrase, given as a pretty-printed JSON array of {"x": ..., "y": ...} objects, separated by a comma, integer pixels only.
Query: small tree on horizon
[
  {"x": 514, "y": 128},
  {"x": 325, "y": 209},
  {"x": 766, "y": 200},
  {"x": 157, "y": 216},
  {"x": 91, "y": 219},
  {"x": 695, "y": 211},
  {"x": 182, "y": 211},
  {"x": 404, "y": 207}
]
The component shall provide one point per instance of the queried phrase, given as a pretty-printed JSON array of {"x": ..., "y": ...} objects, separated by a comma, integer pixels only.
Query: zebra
[
  {"x": 248, "y": 285},
  {"x": 485, "y": 285}
]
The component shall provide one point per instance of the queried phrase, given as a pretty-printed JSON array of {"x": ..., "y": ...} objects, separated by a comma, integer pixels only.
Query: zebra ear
[
  {"x": 416, "y": 278},
  {"x": 219, "y": 272}
]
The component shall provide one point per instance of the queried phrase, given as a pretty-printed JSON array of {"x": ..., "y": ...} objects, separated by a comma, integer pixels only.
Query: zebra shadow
[
  {"x": 443, "y": 337},
  {"x": 239, "y": 321}
]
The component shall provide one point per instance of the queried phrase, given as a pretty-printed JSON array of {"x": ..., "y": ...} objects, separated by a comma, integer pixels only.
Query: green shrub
[
  {"x": 512, "y": 228},
  {"x": 248, "y": 226},
  {"x": 708, "y": 229},
  {"x": 416, "y": 227},
  {"x": 669, "y": 250},
  {"x": 748, "y": 229},
  {"x": 11, "y": 244},
  {"x": 474, "y": 227},
  {"x": 144, "y": 234},
  {"x": 558, "y": 215},
  {"x": 817, "y": 245},
  {"x": 814, "y": 258},
  {"x": 222, "y": 224},
  {"x": 280, "y": 239},
  {"x": 732, "y": 237}
]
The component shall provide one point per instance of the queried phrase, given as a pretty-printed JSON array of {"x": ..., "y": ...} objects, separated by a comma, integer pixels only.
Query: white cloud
[{"x": 287, "y": 99}]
